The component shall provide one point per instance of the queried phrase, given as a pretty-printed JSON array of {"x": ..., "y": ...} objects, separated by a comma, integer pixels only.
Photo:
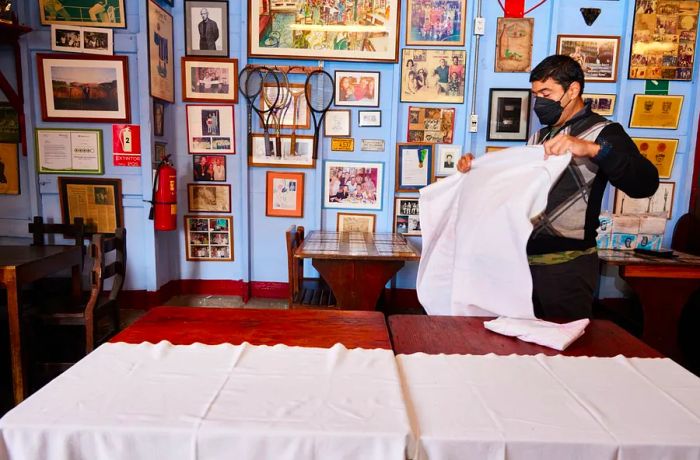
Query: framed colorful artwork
[
  {"x": 359, "y": 89},
  {"x": 602, "y": 104},
  {"x": 414, "y": 166},
  {"x": 337, "y": 123},
  {"x": 435, "y": 22},
  {"x": 209, "y": 80},
  {"x": 664, "y": 36},
  {"x": 206, "y": 28},
  {"x": 311, "y": 30},
  {"x": 9, "y": 124},
  {"x": 161, "y": 64},
  {"x": 84, "y": 88},
  {"x": 656, "y": 111},
  {"x": 299, "y": 157},
  {"x": 661, "y": 152},
  {"x": 353, "y": 185},
  {"x": 407, "y": 216},
  {"x": 9, "y": 169},
  {"x": 83, "y": 13},
  {"x": 433, "y": 75},
  {"x": 514, "y": 44},
  {"x": 69, "y": 151},
  {"x": 209, "y": 198},
  {"x": 76, "y": 39},
  {"x": 509, "y": 115},
  {"x": 660, "y": 203},
  {"x": 209, "y": 238},
  {"x": 210, "y": 129},
  {"x": 355, "y": 222},
  {"x": 284, "y": 194},
  {"x": 209, "y": 168},
  {"x": 369, "y": 118},
  {"x": 97, "y": 201},
  {"x": 430, "y": 124},
  {"x": 597, "y": 54},
  {"x": 446, "y": 159}
]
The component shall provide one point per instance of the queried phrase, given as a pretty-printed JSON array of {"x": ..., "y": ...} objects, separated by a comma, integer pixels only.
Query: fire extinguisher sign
[{"x": 126, "y": 145}]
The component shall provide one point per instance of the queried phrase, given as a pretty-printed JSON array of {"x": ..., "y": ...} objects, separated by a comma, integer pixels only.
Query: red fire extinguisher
[{"x": 164, "y": 198}]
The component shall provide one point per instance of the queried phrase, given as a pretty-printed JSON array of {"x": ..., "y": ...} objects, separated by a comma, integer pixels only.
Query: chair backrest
[
  {"x": 39, "y": 230},
  {"x": 295, "y": 267}
]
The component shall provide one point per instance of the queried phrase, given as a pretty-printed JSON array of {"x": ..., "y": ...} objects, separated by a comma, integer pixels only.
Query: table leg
[
  {"x": 13, "y": 301},
  {"x": 357, "y": 284}
]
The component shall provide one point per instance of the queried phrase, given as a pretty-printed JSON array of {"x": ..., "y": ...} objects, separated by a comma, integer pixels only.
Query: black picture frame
[
  {"x": 85, "y": 185},
  {"x": 222, "y": 27},
  {"x": 158, "y": 118},
  {"x": 509, "y": 115},
  {"x": 364, "y": 124}
]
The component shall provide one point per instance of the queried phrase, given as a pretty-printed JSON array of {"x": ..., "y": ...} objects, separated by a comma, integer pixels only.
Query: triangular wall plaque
[{"x": 590, "y": 15}]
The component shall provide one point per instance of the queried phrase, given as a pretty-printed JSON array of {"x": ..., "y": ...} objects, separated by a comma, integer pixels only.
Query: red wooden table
[
  {"x": 467, "y": 335},
  {"x": 305, "y": 328}
]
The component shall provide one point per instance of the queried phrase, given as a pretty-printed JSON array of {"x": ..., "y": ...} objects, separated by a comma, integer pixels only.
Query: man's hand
[
  {"x": 465, "y": 163},
  {"x": 563, "y": 143}
]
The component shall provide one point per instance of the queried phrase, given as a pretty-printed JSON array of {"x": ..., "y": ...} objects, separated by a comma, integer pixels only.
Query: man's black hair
[{"x": 560, "y": 68}]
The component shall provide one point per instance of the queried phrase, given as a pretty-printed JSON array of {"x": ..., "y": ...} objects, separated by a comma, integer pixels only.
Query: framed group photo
[
  {"x": 656, "y": 111},
  {"x": 209, "y": 198},
  {"x": 430, "y": 124},
  {"x": 433, "y": 75},
  {"x": 407, "y": 216},
  {"x": 209, "y": 80},
  {"x": 210, "y": 129},
  {"x": 514, "y": 44},
  {"x": 97, "y": 201},
  {"x": 359, "y": 89},
  {"x": 509, "y": 114},
  {"x": 597, "y": 54},
  {"x": 284, "y": 194},
  {"x": 602, "y": 104},
  {"x": 75, "y": 39},
  {"x": 209, "y": 238},
  {"x": 353, "y": 185},
  {"x": 660, "y": 203},
  {"x": 435, "y": 22},
  {"x": 209, "y": 168},
  {"x": 414, "y": 166},
  {"x": 206, "y": 28},
  {"x": 83, "y": 13},
  {"x": 355, "y": 222},
  {"x": 661, "y": 152},
  {"x": 301, "y": 156},
  {"x": 161, "y": 64}
]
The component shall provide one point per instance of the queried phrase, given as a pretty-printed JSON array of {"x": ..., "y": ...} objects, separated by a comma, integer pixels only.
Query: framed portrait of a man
[{"x": 206, "y": 28}]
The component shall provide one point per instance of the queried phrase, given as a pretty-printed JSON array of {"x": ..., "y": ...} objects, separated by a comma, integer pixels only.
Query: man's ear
[{"x": 575, "y": 89}]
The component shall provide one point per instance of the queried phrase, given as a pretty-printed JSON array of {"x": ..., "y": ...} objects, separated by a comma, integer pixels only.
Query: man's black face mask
[{"x": 547, "y": 110}]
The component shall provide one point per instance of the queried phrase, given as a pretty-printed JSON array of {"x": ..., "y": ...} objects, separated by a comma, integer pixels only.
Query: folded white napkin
[{"x": 553, "y": 335}]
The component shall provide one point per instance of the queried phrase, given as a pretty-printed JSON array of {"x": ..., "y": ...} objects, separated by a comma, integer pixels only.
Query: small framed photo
[
  {"x": 656, "y": 111},
  {"x": 597, "y": 55},
  {"x": 9, "y": 124},
  {"x": 407, "y": 216},
  {"x": 514, "y": 44},
  {"x": 9, "y": 169},
  {"x": 353, "y": 185},
  {"x": 414, "y": 166},
  {"x": 661, "y": 152},
  {"x": 660, "y": 203},
  {"x": 83, "y": 13},
  {"x": 369, "y": 118},
  {"x": 209, "y": 238},
  {"x": 284, "y": 194},
  {"x": 430, "y": 124},
  {"x": 210, "y": 129},
  {"x": 509, "y": 115},
  {"x": 209, "y": 80},
  {"x": 435, "y": 23},
  {"x": 161, "y": 63},
  {"x": 161, "y": 151},
  {"x": 209, "y": 168},
  {"x": 75, "y": 39},
  {"x": 337, "y": 123},
  {"x": 97, "y": 201},
  {"x": 158, "y": 118},
  {"x": 206, "y": 28},
  {"x": 446, "y": 159},
  {"x": 208, "y": 198},
  {"x": 359, "y": 89},
  {"x": 355, "y": 222},
  {"x": 602, "y": 104},
  {"x": 301, "y": 156},
  {"x": 434, "y": 75}
]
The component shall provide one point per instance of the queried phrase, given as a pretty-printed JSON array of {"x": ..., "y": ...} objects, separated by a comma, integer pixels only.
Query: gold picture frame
[
  {"x": 656, "y": 111},
  {"x": 661, "y": 152}
]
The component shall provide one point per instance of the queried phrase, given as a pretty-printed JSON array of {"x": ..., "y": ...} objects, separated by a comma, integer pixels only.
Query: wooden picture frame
[
  {"x": 430, "y": 124},
  {"x": 291, "y": 120},
  {"x": 160, "y": 151},
  {"x": 76, "y": 39},
  {"x": 209, "y": 168},
  {"x": 206, "y": 37},
  {"x": 69, "y": 151},
  {"x": 369, "y": 118},
  {"x": 211, "y": 129},
  {"x": 514, "y": 44},
  {"x": 602, "y": 104},
  {"x": 407, "y": 216},
  {"x": 446, "y": 158},
  {"x": 209, "y": 80},
  {"x": 509, "y": 115},
  {"x": 97, "y": 201},
  {"x": 203, "y": 197},
  {"x": 338, "y": 196},
  {"x": 357, "y": 89},
  {"x": 9, "y": 170},
  {"x": 660, "y": 151},
  {"x": 68, "y": 12},
  {"x": 598, "y": 55},
  {"x": 161, "y": 63},
  {"x": 418, "y": 65},
  {"x": 208, "y": 238},
  {"x": 656, "y": 111},
  {"x": 284, "y": 194},
  {"x": 72, "y": 88},
  {"x": 414, "y": 166},
  {"x": 420, "y": 31},
  {"x": 158, "y": 118},
  {"x": 302, "y": 158},
  {"x": 661, "y": 202},
  {"x": 337, "y": 123},
  {"x": 355, "y": 222},
  {"x": 9, "y": 124}
]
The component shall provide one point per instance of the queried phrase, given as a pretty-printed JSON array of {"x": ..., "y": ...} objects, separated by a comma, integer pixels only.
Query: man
[
  {"x": 562, "y": 247},
  {"x": 443, "y": 74},
  {"x": 208, "y": 32},
  {"x": 448, "y": 162}
]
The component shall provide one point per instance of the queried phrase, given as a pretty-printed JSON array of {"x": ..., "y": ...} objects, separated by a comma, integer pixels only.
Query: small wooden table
[
  {"x": 305, "y": 328},
  {"x": 23, "y": 264},
  {"x": 467, "y": 335},
  {"x": 663, "y": 287},
  {"x": 357, "y": 265}
]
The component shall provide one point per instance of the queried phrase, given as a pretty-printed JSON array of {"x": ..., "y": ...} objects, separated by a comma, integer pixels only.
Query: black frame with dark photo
[
  {"x": 223, "y": 29},
  {"x": 497, "y": 118}
]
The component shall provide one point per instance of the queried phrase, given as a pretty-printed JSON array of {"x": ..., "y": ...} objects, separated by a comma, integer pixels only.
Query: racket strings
[{"x": 320, "y": 90}]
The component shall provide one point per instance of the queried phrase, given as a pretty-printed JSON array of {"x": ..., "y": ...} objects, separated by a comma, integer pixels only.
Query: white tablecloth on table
[
  {"x": 560, "y": 408},
  {"x": 206, "y": 402}
]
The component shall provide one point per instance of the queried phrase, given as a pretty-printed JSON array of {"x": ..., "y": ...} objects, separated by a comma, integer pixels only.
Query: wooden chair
[{"x": 304, "y": 292}]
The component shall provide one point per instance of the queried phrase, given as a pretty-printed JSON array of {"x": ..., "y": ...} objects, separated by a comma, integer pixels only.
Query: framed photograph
[
  {"x": 337, "y": 123},
  {"x": 661, "y": 152},
  {"x": 69, "y": 151},
  {"x": 414, "y": 166},
  {"x": 307, "y": 30},
  {"x": 160, "y": 150},
  {"x": 9, "y": 169},
  {"x": 602, "y": 104},
  {"x": 355, "y": 222},
  {"x": 209, "y": 238},
  {"x": 407, "y": 216},
  {"x": 93, "y": 13},
  {"x": 206, "y": 28},
  {"x": 210, "y": 129},
  {"x": 660, "y": 203},
  {"x": 9, "y": 124},
  {"x": 435, "y": 22},
  {"x": 209, "y": 168},
  {"x": 597, "y": 54},
  {"x": 296, "y": 113},
  {"x": 300, "y": 157},
  {"x": 360, "y": 89},
  {"x": 158, "y": 118},
  {"x": 161, "y": 65},
  {"x": 430, "y": 124},
  {"x": 369, "y": 118},
  {"x": 656, "y": 111},
  {"x": 209, "y": 80},
  {"x": 85, "y": 88},
  {"x": 446, "y": 159},
  {"x": 97, "y": 201},
  {"x": 514, "y": 44},
  {"x": 509, "y": 115},
  {"x": 433, "y": 76},
  {"x": 208, "y": 198},
  {"x": 284, "y": 194},
  {"x": 75, "y": 39},
  {"x": 353, "y": 185},
  {"x": 664, "y": 36}
]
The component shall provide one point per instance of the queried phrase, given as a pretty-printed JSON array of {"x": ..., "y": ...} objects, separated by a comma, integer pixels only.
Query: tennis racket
[
  {"x": 295, "y": 92},
  {"x": 250, "y": 83},
  {"x": 319, "y": 91},
  {"x": 281, "y": 109},
  {"x": 271, "y": 94}
]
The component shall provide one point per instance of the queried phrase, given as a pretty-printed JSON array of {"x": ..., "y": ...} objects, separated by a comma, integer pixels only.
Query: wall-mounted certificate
[
  {"x": 656, "y": 111},
  {"x": 74, "y": 151},
  {"x": 414, "y": 169}
]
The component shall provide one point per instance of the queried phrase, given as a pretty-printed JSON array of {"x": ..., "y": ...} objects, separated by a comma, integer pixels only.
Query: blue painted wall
[{"x": 157, "y": 257}]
